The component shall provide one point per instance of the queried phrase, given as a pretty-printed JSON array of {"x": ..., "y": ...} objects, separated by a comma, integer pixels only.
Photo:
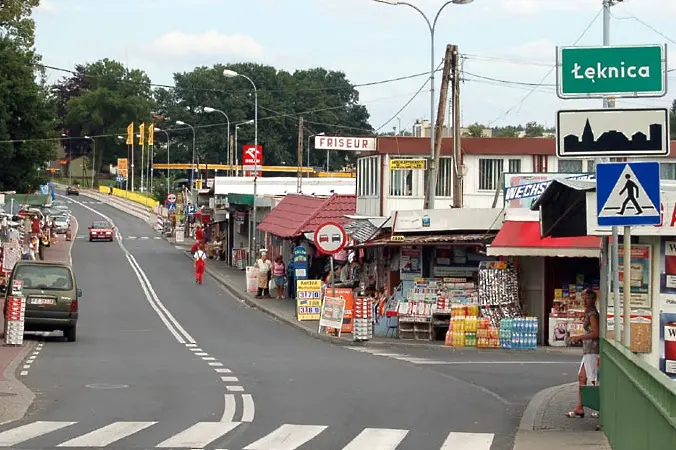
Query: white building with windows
[{"x": 380, "y": 191}]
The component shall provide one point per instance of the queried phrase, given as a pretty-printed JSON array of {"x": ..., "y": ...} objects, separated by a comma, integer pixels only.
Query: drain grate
[{"x": 7, "y": 394}]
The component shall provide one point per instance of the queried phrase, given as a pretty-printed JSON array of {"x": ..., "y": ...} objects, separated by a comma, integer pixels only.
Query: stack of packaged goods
[
  {"x": 363, "y": 319},
  {"x": 462, "y": 331},
  {"x": 14, "y": 319},
  {"x": 486, "y": 335},
  {"x": 519, "y": 333},
  {"x": 498, "y": 291}
]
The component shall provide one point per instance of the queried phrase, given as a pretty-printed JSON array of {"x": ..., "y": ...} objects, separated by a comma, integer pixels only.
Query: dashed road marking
[
  {"x": 27, "y": 364},
  {"x": 235, "y": 388}
]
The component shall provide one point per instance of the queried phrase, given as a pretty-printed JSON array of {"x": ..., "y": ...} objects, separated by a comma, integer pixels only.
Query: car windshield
[
  {"x": 44, "y": 277},
  {"x": 100, "y": 225}
]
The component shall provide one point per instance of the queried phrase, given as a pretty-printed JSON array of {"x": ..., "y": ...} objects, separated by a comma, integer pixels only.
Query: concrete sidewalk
[
  {"x": 15, "y": 397},
  {"x": 544, "y": 424}
]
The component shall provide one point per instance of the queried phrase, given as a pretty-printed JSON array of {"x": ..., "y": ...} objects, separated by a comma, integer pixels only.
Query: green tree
[
  {"x": 534, "y": 129},
  {"x": 326, "y": 100},
  {"x": 506, "y": 132},
  {"x": 25, "y": 114},
  {"x": 16, "y": 22},
  {"x": 475, "y": 130},
  {"x": 102, "y": 98}
]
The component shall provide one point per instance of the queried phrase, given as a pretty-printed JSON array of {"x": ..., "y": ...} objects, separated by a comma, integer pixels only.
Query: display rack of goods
[
  {"x": 519, "y": 333},
  {"x": 14, "y": 320},
  {"x": 486, "y": 335},
  {"x": 363, "y": 319},
  {"x": 462, "y": 330},
  {"x": 498, "y": 291}
]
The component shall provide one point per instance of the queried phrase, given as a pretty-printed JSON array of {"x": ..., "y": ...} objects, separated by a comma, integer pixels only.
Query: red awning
[{"x": 523, "y": 239}]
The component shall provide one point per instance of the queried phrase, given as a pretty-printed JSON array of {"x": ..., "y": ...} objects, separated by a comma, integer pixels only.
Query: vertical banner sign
[
  {"x": 309, "y": 299},
  {"x": 122, "y": 167},
  {"x": 300, "y": 263},
  {"x": 252, "y": 158}
]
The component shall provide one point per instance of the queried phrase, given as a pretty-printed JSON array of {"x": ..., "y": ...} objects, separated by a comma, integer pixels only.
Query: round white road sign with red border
[{"x": 330, "y": 238}]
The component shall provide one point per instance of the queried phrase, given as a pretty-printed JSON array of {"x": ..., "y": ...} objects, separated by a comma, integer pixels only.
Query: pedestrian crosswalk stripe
[
  {"x": 199, "y": 435},
  {"x": 23, "y": 433},
  {"x": 107, "y": 435},
  {"x": 204, "y": 434},
  {"x": 287, "y": 437},
  {"x": 468, "y": 441},
  {"x": 377, "y": 439}
]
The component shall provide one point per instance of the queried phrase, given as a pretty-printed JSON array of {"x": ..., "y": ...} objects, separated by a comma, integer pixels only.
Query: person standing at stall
[
  {"x": 200, "y": 263},
  {"x": 264, "y": 267}
]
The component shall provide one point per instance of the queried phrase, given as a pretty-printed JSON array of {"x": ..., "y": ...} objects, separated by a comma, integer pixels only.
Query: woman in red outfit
[{"x": 200, "y": 261}]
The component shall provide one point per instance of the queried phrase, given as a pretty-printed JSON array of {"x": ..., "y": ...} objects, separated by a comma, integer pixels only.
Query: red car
[{"x": 101, "y": 231}]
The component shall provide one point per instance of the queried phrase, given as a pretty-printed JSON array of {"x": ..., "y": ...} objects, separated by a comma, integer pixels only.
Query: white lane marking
[
  {"x": 223, "y": 370},
  {"x": 201, "y": 354},
  {"x": 199, "y": 435},
  {"x": 131, "y": 237},
  {"x": 468, "y": 441},
  {"x": 248, "y": 408},
  {"x": 229, "y": 409},
  {"x": 23, "y": 373},
  {"x": 157, "y": 237},
  {"x": 107, "y": 435},
  {"x": 216, "y": 364},
  {"x": 191, "y": 345},
  {"x": 27, "y": 366},
  {"x": 287, "y": 437},
  {"x": 511, "y": 362},
  {"x": 195, "y": 349},
  {"x": 229, "y": 379},
  {"x": 208, "y": 358},
  {"x": 377, "y": 439},
  {"x": 23, "y": 433},
  {"x": 235, "y": 388}
]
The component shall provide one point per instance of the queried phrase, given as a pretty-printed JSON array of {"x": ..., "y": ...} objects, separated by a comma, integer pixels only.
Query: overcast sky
[{"x": 512, "y": 41}]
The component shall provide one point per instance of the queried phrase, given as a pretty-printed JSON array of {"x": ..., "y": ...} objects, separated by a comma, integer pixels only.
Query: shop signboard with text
[
  {"x": 667, "y": 338},
  {"x": 523, "y": 189},
  {"x": 308, "y": 299},
  {"x": 410, "y": 263},
  {"x": 300, "y": 263},
  {"x": 641, "y": 259},
  {"x": 343, "y": 143},
  {"x": 252, "y": 158},
  {"x": 666, "y": 227}
]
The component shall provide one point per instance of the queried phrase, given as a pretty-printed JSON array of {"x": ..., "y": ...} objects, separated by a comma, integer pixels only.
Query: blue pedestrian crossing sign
[
  {"x": 628, "y": 194},
  {"x": 171, "y": 207}
]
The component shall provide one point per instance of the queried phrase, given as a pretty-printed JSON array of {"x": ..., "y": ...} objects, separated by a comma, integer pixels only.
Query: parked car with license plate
[
  {"x": 61, "y": 224},
  {"x": 52, "y": 296},
  {"x": 101, "y": 230}
]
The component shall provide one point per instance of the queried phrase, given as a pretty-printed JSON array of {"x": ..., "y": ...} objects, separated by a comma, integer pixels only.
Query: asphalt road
[{"x": 162, "y": 361}]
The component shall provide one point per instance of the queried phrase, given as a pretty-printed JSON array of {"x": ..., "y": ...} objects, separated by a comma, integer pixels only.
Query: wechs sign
[{"x": 532, "y": 190}]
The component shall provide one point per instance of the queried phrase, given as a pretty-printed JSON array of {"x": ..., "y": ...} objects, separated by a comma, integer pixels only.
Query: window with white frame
[
  {"x": 444, "y": 177},
  {"x": 406, "y": 183},
  {"x": 490, "y": 172},
  {"x": 570, "y": 166},
  {"x": 514, "y": 166},
  {"x": 368, "y": 176},
  {"x": 590, "y": 166},
  {"x": 668, "y": 171}
]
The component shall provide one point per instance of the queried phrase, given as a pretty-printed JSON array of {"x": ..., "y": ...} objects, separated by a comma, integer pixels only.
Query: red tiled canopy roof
[{"x": 297, "y": 214}]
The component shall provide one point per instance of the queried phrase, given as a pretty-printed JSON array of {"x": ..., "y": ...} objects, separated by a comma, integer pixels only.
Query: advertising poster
[
  {"x": 300, "y": 263},
  {"x": 641, "y": 257},
  {"x": 332, "y": 312},
  {"x": 668, "y": 307},
  {"x": 308, "y": 299},
  {"x": 410, "y": 263},
  {"x": 251, "y": 279},
  {"x": 347, "y": 296},
  {"x": 521, "y": 190}
]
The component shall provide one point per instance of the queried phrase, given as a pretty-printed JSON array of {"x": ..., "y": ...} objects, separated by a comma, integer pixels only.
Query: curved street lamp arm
[
  {"x": 420, "y": 11},
  {"x": 436, "y": 18}
]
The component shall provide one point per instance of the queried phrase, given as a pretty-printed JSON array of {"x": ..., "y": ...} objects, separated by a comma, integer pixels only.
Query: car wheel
[{"x": 70, "y": 333}]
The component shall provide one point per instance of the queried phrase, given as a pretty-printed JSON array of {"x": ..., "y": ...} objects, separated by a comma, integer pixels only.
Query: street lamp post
[
  {"x": 93, "y": 157},
  {"x": 158, "y": 130},
  {"x": 208, "y": 109},
  {"x": 308, "y": 150},
  {"x": 231, "y": 74},
  {"x": 192, "y": 170},
  {"x": 432, "y": 181}
]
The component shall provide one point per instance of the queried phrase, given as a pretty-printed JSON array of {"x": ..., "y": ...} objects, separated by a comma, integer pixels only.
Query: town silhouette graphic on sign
[{"x": 613, "y": 140}]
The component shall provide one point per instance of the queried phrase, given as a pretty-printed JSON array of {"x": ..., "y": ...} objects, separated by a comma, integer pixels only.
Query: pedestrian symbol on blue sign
[
  {"x": 171, "y": 207},
  {"x": 628, "y": 193}
]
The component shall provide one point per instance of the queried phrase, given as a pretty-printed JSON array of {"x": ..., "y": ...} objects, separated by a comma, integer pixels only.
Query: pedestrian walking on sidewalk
[
  {"x": 589, "y": 367},
  {"x": 264, "y": 266},
  {"x": 200, "y": 262},
  {"x": 279, "y": 272}
]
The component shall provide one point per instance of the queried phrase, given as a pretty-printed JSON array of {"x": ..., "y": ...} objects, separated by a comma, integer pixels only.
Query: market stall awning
[
  {"x": 517, "y": 238},
  {"x": 429, "y": 240}
]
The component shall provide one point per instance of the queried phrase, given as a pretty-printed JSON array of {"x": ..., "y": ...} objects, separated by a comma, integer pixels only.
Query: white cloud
[
  {"x": 177, "y": 43},
  {"x": 534, "y": 7},
  {"x": 47, "y": 7}
]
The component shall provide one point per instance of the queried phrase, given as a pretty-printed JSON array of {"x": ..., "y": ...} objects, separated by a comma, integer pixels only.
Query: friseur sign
[{"x": 622, "y": 71}]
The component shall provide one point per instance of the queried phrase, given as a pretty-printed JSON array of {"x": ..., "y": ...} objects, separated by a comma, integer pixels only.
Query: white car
[{"x": 61, "y": 224}]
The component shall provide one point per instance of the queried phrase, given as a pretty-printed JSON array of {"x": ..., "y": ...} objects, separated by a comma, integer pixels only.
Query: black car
[{"x": 72, "y": 190}]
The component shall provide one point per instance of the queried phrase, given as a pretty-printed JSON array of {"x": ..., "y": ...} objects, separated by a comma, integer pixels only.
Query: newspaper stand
[
  {"x": 363, "y": 319},
  {"x": 14, "y": 319}
]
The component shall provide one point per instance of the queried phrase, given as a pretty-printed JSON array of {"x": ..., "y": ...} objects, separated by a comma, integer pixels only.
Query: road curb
[
  {"x": 532, "y": 416},
  {"x": 23, "y": 397},
  {"x": 249, "y": 302}
]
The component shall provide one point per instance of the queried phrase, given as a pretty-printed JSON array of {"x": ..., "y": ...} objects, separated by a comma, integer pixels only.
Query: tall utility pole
[
  {"x": 299, "y": 175},
  {"x": 438, "y": 130},
  {"x": 615, "y": 250},
  {"x": 231, "y": 156},
  {"x": 457, "y": 147}
]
